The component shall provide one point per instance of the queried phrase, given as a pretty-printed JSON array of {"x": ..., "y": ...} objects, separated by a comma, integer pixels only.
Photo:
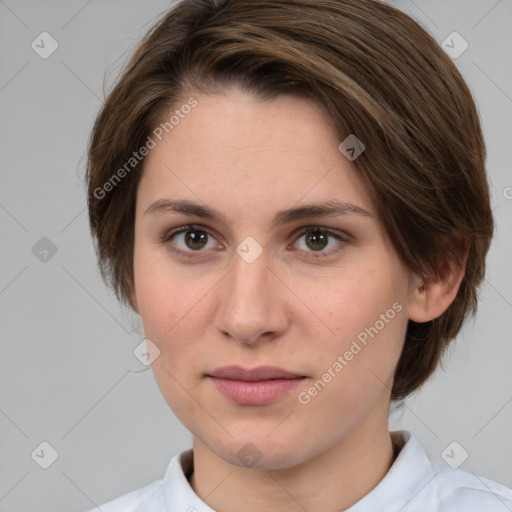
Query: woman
[{"x": 293, "y": 196}]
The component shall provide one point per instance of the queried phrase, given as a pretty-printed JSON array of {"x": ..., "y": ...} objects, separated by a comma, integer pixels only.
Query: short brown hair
[{"x": 380, "y": 75}]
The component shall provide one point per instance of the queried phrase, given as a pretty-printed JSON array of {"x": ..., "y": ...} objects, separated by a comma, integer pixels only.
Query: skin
[{"x": 248, "y": 159}]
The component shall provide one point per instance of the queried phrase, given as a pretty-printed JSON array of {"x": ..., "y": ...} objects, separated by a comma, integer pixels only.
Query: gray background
[{"x": 68, "y": 375}]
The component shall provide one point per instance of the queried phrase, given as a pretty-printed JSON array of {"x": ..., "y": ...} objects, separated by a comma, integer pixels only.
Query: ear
[{"x": 433, "y": 294}]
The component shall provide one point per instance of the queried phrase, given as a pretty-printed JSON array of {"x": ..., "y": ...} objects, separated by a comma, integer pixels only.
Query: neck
[{"x": 344, "y": 473}]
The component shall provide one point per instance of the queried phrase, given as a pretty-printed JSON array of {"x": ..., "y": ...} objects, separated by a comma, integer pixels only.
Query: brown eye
[
  {"x": 317, "y": 240},
  {"x": 196, "y": 239},
  {"x": 189, "y": 239}
]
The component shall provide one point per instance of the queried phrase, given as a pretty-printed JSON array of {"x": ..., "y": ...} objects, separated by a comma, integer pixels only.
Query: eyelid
[
  {"x": 315, "y": 227},
  {"x": 183, "y": 229}
]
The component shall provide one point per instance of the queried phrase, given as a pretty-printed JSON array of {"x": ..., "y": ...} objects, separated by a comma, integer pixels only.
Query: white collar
[
  {"x": 391, "y": 492},
  {"x": 412, "y": 484},
  {"x": 410, "y": 473}
]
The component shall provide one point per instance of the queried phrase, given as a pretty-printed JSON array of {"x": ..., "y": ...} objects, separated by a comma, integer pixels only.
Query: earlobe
[{"x": 432, "y": 296}]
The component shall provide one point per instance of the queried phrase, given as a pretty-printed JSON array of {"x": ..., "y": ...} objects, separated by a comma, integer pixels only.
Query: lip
[{"x": 257, "y": 386}]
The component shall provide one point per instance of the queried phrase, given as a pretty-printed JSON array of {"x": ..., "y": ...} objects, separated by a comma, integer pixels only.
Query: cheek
[
  {"x": 165, "y": 297},
  {"x": 366, "y": 317},
  {"x": 175, "y": 310},
  {"x": 171, "y": 309},
  {"x": 356, "y": 365},
  {"x": 349, "y": 305}
]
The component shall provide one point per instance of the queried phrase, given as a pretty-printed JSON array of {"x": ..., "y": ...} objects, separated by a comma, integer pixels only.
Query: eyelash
[{"x": 167, "y": 237}]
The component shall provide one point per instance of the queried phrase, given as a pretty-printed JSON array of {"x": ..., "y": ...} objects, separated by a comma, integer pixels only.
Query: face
[{"x": 264, "y": 278}]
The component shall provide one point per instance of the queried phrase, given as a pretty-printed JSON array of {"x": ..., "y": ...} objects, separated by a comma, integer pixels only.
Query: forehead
[{"x": 236, "y": 148}]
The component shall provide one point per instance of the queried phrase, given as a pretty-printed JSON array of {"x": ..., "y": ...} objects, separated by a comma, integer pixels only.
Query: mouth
[{"x": 257, "y": 386}]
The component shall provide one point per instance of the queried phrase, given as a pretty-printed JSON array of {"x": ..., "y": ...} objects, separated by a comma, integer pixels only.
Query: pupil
[
  {"x": 195, "y": 239},
  {"x": 316, "y": 240}
]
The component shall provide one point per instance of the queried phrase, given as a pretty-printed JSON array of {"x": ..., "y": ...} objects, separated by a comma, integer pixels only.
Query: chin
[{"x": 260, "y": 452}]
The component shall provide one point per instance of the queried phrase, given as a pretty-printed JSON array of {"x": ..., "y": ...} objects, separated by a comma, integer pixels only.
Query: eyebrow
[{"x": 327, "y": 208}]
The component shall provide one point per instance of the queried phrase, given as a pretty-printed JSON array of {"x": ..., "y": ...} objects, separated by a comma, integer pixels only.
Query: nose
[{"x": 252, "y": 305}]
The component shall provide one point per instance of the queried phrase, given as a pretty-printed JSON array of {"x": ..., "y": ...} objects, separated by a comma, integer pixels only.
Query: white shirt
[{"x": 412, "y": 484}]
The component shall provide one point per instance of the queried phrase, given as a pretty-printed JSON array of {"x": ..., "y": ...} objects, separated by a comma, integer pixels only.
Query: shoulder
[
  {"x": 134, "y": 501},
  {"x": 468, "y": 492},
  {"x": 168, "y": 493},
  {"x": 415, "y": 484}
]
